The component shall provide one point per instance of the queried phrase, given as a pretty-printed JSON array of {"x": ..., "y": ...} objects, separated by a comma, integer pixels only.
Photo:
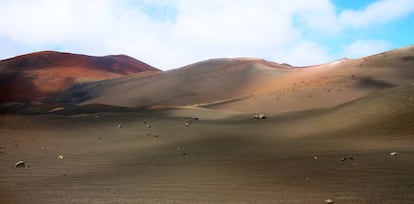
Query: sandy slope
[
  {"x": 252, "y": 85},
  {"x": 330, "y": 84},
  {"x": 38, "y": 76},
  {"x": 197, "y": 83},
  {"x": 234, "y": 159}
]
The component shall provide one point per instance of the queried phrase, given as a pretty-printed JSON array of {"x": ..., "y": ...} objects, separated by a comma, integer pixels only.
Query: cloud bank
[{"x": 172, "y": 33}]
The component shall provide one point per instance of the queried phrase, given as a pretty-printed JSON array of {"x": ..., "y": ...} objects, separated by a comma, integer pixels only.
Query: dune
[{"x": 38, "y": 76}]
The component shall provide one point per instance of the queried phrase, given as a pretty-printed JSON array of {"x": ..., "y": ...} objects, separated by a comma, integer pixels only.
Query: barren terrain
[{"x": 342, "y": 131}]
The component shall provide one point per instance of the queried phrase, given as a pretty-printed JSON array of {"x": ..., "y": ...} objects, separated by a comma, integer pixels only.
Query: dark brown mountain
[{"x": 38, "y": 76}]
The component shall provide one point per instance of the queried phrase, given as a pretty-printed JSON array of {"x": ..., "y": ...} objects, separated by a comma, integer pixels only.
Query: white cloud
[
  {"x": 303, "y": 54},
  {"x": 378, "y": 12},
  {"x": 270, "y": 29},
  {"x": 362, "y": 48}
]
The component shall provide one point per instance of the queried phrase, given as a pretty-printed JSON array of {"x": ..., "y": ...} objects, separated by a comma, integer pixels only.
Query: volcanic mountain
[
  {"x": 38, "y": 76},
  {"x": 253, "y": 85}
]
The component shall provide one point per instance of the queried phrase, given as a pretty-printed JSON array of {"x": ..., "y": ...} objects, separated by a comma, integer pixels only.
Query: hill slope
[
  {"x": 253, "y": 85},
  {"x": 201, "y": 82},
  {"x": 40, "y": 75},
  {"x": 331, "y": 84}
]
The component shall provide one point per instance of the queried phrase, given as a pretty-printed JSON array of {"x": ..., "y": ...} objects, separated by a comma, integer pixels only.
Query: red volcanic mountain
[{"x": 38, "y": 76}]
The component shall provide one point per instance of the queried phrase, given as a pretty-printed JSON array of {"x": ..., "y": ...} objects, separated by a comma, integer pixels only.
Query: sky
[{"x": 169, "y": 34}]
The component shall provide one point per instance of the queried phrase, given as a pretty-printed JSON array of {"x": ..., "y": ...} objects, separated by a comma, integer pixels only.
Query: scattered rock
[
  {"x": 115, "y": 140},
  {"x": 56, "y": 109},
  {"x": 60, "y": 157},
  {"x": 393, "y": 153},
  {"x": 119, "y": 125},
  {"x": 178, "y": 148},
  {"x": 315, "y": 157},
  {"x": 351, "y": 158},
  {"x": 152, "y": 134},
  {"x": 343, "y": 159},
  {"x": 260, "y": 116},
  {"x": 329, "y": 201},
  {"x": 148, "y": 126},
  {"x": 184, "y": 153},
  {"x": 20, "y": 164},
  {"x": 188, "y": 123}
]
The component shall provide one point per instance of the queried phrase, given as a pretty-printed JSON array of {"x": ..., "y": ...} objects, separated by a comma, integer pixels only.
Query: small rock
[
  {"x": 119, "y": 125},
  {"x": 393, "y": 153},
  {"x": 61, "y": 157},
  {"x": 148, "y": 126},
  {"x": 188, "y": 124},
  {"x": 329, "y": 201},
  {"x": 315, "y": 157},
  {"x": 351, "y": 158},
  {"x": 260, "y": 116},
  {"x": 178, "y": 148},
  {"x": 184, "y": 153},
  {"x": 343, "y": 159},
  {"x": 20, "y": 164}
]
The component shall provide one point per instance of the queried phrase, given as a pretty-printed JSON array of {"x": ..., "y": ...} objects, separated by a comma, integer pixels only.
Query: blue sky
[{"x": 173, "y": 33}]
